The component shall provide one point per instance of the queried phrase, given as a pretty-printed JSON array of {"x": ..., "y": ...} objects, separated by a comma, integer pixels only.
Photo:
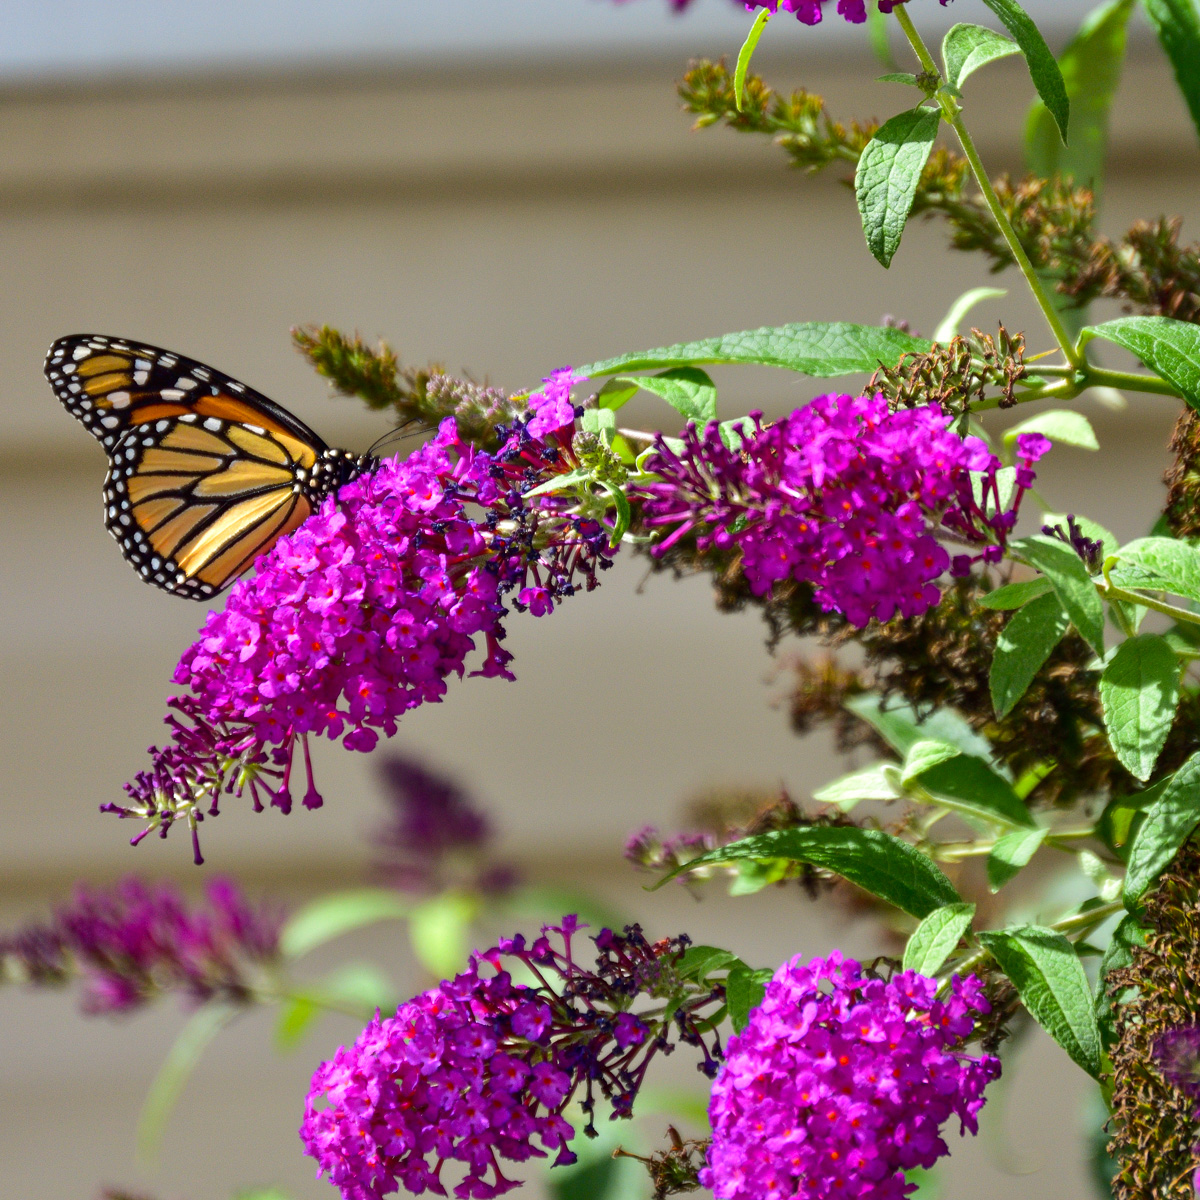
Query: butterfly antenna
[{"x": 398, "y": 434}]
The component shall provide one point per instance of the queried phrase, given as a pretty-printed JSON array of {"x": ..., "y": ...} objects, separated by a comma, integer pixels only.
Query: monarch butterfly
[{"x": 204, "y": 473}]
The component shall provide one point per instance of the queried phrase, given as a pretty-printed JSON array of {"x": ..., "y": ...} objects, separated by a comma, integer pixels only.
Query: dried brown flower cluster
[
  {"x": 954, "y": 375},
  {"x": 674, "y": 1170},
  {"x": 1153, "y": 1129}
]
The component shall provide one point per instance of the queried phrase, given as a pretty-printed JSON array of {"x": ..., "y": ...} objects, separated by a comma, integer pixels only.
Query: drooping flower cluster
[
  {"x": 366, "y": 610},
  {"x": 134, "y": 940},
  {"x": 435, "y": 838},
  {"x": 480, "y": 1069},
  {"x": 844, "y": 495},
  {"x": 841, "y": 1082}
]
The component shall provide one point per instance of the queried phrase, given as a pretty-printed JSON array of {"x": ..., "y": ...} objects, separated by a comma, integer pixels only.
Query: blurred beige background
[{"x": 506, "y": 216}]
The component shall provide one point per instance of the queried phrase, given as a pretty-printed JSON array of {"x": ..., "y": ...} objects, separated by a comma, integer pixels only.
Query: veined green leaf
[
  {"x": 1168, "y": 347},
  {"x": 617, "y": 392},
  {"x": 688, "y": 390},
  {"x": 1023, "y": 646},
  {"x": 560, "y": 483},
  {"x": 898, "y": 725},
  {"x": 970, "y": 787},
  {"x": 1070, "y": 581},
  {"x": 1047, "y": 973},
  {"x": 1168, "y": 823},
  {"x": 1091, "y": 68},
  {"x": 1059, "y": 425},
  {"x": 817, "y": 348},
  {"x": 1123, "y": 815},
  {"x": 888, "y": 172},
  {"x": 331, "y": 916},
  {"x": 1159, "y": 564},
  {"x": 1016, "y": 595},
  {"x": 876, "y": 861},
  {"x": 935, "y": 939},
  {"x": 360, "y": 985},
  {"x": 1178, "y": 27},
  {"x": 966, "y": 48},
  {"x": 898, "y": 77},
  {"x": 1043, "y": 68},
  {"x": 698, "y": 962},
  {"x": 1012, "y": 852},
  {"x": 876, "y": 782},
  {"x": 744, "y": 991},
  {"x": 1139, "y": 692}
]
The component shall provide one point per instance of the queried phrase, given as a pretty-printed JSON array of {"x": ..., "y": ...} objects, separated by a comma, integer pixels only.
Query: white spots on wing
[
  {"x": 234, "y": 386},
  {"x": 140, "y": 377},
  {"x": 119, "y": 399},
  {"x": 110, "y": 422},
  {"x": 185, "y": 383},
  {"x": 171, "y": 394},
  {"x": 213, "y": 424},
  {"x": 258, "y": 429},
  {"x": 80, "y": 352},
  {"x": 163, "y": 426}
]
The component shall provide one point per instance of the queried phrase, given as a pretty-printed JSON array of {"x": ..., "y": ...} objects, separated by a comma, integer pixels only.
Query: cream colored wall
[{"x": 507, "y": 222}]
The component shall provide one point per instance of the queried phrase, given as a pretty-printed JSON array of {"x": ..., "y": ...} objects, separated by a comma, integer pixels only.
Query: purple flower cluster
[
  {"x": 366, "y": 610},
  {"x": 844, "y": 495},
  {"x": 840, "y": 1083},
  {"x": 435, "y": 838},
  {"x": 1177, "y": 1052},
  {"x": 133, "y": 940},
  {"x": 480, "y": 1069}
]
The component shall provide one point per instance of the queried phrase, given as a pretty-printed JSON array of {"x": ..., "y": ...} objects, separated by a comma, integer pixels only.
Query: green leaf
[
  {"x": 1139, "y": 692},
  {"x": 617, "y": 392},
  {"x": 888, "y": 172},
  {"x": 1178, "y": 27},
  {"x": 876, "y": 861},
  {"x": 924, "y": 756},
  {"x": 1126, "y": 936},
  {"x": 898, "y": 77},
  {"x": 688, "y": 390},
  {"x": 331, "y": 916},
  {"x": 206, "y": 1022},
  {"x": 624, "y": 511},
  {"x": 560, "y": 483},
  {"x": 1159, "y": 564},
  {"x": 1059, "y": 425},
  {"x": 439, "y": 930},
  {"x": 937, "y": 937},
  {"x": 746, "y": 53},
  {"x": 1168, "y": 823},
  {"x": 602, "y": 421},
  {"x": 1012, "y": 852},
  {"x": 1070, "y": 581},
  {"x": 1086, "y": 526},
  {"x": 966, "y": 48},
  {"x": 1024, "y": 645},
  {"x": 744, "y": 990},
  {"x": 1043, "y": 68},
  {"x": 1047, "y": 973},
  {"x": 359, "y": 985},
  {"x": 961, "y": 307},
  {"x": 270, "y": 1193},
  {"x": 899, "y": 726},
  {"x": 1091, "y": 68},
  {"x": 736, "y": 432},
  {"x": 970, "y": 787},
  {"x": 817, "y": 348},
  {"x": 1169, "y": 348},
  {"x": 698, "y": 962},
  {"x": 876, "y": 782},
  {"x": 1016, "y": 595}
]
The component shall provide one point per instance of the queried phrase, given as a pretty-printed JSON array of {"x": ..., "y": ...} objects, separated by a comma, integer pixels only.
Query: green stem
[
  {"x": 1084, "y": 922},
  {"x": 953, "y": 115}
]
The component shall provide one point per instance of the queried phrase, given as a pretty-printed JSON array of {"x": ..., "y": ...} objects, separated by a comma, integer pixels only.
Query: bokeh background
[{"x": 499, "y": 185}]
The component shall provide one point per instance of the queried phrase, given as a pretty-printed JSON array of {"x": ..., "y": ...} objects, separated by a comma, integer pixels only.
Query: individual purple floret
[
  {"x": 478, "y": 1070},
  {"x": 841, "y": 1082},
  {"x": 844, "y": 495},
  {"x": 368, "y": 608},
  {"x": 808, "y": 11},
  {"x": 134, "y": 940}
]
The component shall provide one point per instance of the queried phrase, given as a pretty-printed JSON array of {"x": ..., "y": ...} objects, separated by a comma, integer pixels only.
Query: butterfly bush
[
  {"x": 366, "y": 610},
  {"x": 480, "y": 1069},
  {"x": 808, "y": 11},
  {"x": 843, "y": 495},
  {"x": 134, "y": 940},
  {"x": 842, "y": 1082}
]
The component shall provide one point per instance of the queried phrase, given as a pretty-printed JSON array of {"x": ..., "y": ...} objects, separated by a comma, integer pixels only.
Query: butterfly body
[{"x": 205, "y": 474}]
